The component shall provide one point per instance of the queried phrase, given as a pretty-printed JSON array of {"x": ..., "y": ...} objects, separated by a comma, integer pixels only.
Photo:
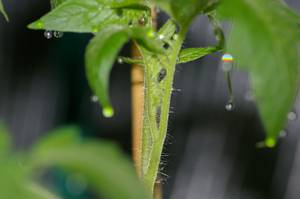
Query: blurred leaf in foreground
[
  {"x": 3, "y": 11},
  {"x": 14, "y": 180},
  {"x": 105, "y": 169},
  {"x": 264, "y": 40}
]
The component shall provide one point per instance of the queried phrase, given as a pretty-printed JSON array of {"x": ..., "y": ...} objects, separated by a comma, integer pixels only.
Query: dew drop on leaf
[
  {"x": 270, "y": 142},
  {"x": 229, "y": 106},
  {"x": 48, "y": 34},
  {"x": 58, "y": 34},
  {"x": 292, "y": 116},
  {"x": 108, "y": 112}
]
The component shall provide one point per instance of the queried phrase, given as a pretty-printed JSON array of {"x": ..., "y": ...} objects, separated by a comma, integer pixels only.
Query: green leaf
[
  {"x": 104, "y": 167},
  {"x": 100, "y": 57},
  {"x": 3, "y": 11},
  {"x": 168, "y": 30},
  {"x": 184, "y": 11},
  {"x": 55, "y": 3},
  {"x": 191, "y": 54},
  {"x": 264, "y": 40},
  {"x": 102, "y": 52},
  {"x": 86, "y": 16}
]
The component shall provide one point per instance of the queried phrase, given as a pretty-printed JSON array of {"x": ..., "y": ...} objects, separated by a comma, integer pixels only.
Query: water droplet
[
  {"x": 58, "y": 34},
  {"x": 227, "y": 66},
  {"x": 76, "y": 184},
  {"x": 270, "y": 142},
  {"x": 229, "y": 106},
  {"x": 142, "y": 21},
  {"x": 292, "y": 116},
  {"x": 48, "y": 34},
  {"x": 161, "y": 75},
  {"x": 108, "y": 112},
  {"x": 39, "y": 24},
  {"x": 120, "y": 60},
  {"x": 94, "y": 98},
  {"x": 283, "y": 133},
  {"x": 161, "y": 37},
  {"x": 227, "y": 58}
]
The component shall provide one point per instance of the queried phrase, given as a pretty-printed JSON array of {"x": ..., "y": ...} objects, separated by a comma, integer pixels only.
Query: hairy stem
[{"x": 157, "y": 97}]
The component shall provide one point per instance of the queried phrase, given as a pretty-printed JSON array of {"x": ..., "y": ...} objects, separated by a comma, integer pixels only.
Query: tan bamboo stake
[{"x": 137, "y": 90}]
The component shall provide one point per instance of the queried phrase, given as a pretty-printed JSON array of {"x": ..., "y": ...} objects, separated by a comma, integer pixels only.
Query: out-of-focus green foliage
[
  {"x": 105, "y": 169},
  {"x": 14, "y": 181},
  {"x": 3, "y": 11},
  {"x": 264, "y": 40}
]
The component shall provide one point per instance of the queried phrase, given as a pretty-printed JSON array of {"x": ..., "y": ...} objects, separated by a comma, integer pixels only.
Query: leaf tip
[
  {"x": 36, "y": 25},
  {"x": 108, "y": 112}
]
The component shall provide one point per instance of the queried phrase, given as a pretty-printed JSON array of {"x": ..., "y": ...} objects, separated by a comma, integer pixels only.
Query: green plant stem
[{"x": 153, "y": 137}]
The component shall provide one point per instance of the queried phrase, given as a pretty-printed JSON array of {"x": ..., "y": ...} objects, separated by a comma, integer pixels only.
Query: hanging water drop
[
  {"x": 229, "y": 106},
  {"x": 270, "y": 142},
  {"x": 292, "y": 116},
  {"x": 120, "y": 60},
  {"x": 108, "y": 112},
  {"x": 48, "y": 34},
  {"x": 227, "y": 66},
  {"x": 283, "y": 133},
  {"x": 227, "y": 62},
  {"x": 94, "y": 98},
  {"x": 58, "y": 34}
]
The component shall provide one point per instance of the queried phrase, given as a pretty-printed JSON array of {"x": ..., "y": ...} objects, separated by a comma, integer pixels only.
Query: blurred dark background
[{"x": 209, "y": 153}]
